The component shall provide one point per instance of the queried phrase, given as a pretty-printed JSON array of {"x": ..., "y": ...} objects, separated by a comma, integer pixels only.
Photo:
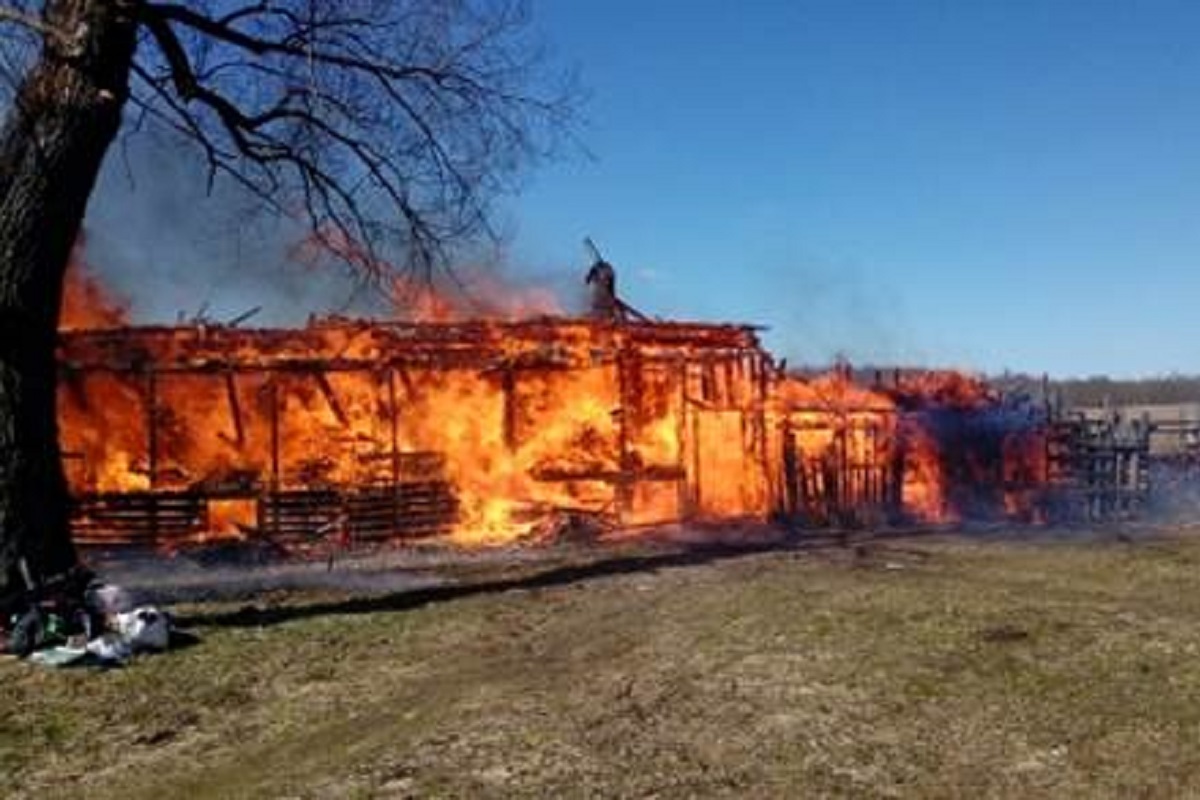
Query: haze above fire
[{"x": 165, "y": 247}]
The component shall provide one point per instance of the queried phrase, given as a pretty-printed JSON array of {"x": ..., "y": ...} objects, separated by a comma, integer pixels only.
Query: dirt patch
[{"x": 1004, "y": 634}]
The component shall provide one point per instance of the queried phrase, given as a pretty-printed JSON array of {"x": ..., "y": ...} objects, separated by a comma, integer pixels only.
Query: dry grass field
[{"x": 917, "y": 667}]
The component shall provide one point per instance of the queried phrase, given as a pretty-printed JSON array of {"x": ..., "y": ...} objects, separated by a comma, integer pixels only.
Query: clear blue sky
[{"x": 976, "y": 183}]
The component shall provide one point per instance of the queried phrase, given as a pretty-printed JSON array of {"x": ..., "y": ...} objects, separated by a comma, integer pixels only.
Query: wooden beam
[{"x": 235, "y": 409}]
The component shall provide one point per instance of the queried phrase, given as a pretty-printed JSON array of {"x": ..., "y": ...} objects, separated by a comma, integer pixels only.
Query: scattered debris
[
  {"x": 73, "y": 619},
  {"x": 570, "y": 527}
]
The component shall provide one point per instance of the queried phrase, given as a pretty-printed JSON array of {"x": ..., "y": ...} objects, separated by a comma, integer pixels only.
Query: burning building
[
  {"x": 474, "y": 429},
  {"x": 925, "y": 447},
  {"x": 481, "y": 430}
]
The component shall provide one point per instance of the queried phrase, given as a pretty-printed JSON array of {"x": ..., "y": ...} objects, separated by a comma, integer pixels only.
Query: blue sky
[
  {"x": 970, "y": 183},
  {"x": 985, "y": 184}
]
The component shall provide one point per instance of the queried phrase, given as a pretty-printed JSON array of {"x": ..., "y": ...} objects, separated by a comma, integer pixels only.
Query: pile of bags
[{"x": 83, "y": 621}]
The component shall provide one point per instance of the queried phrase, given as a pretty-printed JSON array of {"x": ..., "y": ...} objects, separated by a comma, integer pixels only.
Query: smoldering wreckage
[{"x": 525, "y": 428}]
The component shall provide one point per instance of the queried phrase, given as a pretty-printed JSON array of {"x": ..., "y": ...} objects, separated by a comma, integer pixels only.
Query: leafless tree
[{"x": 379, "y": 123}]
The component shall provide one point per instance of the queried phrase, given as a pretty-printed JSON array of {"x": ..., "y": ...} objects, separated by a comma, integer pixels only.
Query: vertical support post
[
  {"x": 235, "y": 408},
  {"x": 870, "y": 456},
  {"x": 742, "y": 441},
  {"x": 393, "y": 426},
  {"x": 791, "y": 504},
  {"x": 152, "y": 427},
  {"x": 152, "y": 447},
  {"x": 273, "y": 416},
  {"x": 1048, "y": 452},
  {"x": 896, "y": 478},
  {"x": 508, "y": 383},
  {"x": 697, "y": 475},
  {"x": 684, "y": 501},
  {"x": 622, "y": 495},
  {"x": 841, "y": 472},
  {"x": 394, "y": 431},
  {"x": 760, "y": 418}
]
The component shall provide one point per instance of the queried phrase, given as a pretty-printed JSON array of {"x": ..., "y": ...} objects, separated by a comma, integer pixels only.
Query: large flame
[
  {"x": 431, "y": 294},
  {"x": 952, "y": 448},
  {"x": 87, "y": 302},
  {"x": 630, "y": 423}
]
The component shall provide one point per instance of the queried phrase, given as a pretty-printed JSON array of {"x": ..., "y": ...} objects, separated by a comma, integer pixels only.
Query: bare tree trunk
[{"x": 53, "y": 142}]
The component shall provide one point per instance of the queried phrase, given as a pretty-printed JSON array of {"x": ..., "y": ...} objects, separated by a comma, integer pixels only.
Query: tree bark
[{"x": 66, "y": 114}]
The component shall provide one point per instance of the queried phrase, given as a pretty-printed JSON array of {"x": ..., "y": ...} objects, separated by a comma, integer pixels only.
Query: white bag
[
  {"x": 111, "y": 648},
  {"x": 145, "y": 628}
]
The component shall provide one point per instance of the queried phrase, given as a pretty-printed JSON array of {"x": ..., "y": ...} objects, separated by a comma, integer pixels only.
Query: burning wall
[
  {"x": 928, "y": 447},
  {"x": 476, "y": 428}
]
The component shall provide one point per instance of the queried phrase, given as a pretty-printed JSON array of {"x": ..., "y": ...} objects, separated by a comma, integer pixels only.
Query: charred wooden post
[
  {"x": 272, "y": 388},
  {"x": 508, "y": 385},
  {"x": 791, "y": 473},
  {"x": 152, "y": 447},
  {"x": 235, "y": 409},
  {"x": 895, "y": 476},
  {"x": 273, "y": 519},
  {"x": 697, "y": 497},
  {"x": 393, "y": 428},
  {"x": 623, "y": 497},
  {"x": 331, "y": 398},
  {"x": 72, "y": 380},
  {"x": 686, "y": 509},
  {"x": 1100, "y": 465},
  {"x": 394, "y": 450},
  {"x": 758, "y": 400},
  {"x": 152, "y": 427}
]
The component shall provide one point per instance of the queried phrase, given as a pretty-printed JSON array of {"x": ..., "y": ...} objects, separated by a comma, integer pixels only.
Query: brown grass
[{"x": 924, "y": 668}]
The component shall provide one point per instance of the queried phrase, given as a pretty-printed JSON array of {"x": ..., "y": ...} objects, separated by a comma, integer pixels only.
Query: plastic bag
[
  {"x": 145, "y": 628},
  {"x": 111, "y": 648}
]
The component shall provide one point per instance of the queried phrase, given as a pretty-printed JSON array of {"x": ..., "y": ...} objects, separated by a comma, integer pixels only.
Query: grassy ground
[{"x": 914, "y": 668}]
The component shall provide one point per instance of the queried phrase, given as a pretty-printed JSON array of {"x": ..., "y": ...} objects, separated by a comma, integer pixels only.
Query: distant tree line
[
  {"x": 1094, "y": 390},
  {"x": 1099, "y": 389}
]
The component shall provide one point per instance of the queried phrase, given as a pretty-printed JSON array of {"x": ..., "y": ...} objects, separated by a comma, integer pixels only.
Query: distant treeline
[
  {"x": 1091, "y": 391},
  {"x": 1096, "y": 390}
]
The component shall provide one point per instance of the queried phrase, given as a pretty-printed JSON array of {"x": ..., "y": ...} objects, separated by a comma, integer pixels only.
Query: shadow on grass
[{"x": 692, "y": 555}]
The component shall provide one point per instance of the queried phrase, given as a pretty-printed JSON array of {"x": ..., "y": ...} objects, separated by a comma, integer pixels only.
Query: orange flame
[
  {"x": 635, "y": 423},
  {"x": 450, "y": 295},
  {"x": 86, "y": 302}
]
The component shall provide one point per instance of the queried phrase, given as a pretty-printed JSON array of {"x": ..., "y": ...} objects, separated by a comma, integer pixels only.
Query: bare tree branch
[
  {"x": 390, "y": 124},
  {"x": 33, "y": 22},
  {"x": 19, "y": 43}
]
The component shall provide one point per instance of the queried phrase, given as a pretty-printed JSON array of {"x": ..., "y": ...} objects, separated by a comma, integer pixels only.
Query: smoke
[
  {"x": 178, "y": 246},
  {"x": 161, "y": 235},
  {"x": 159, "y": 580},
  {"x": 87, "y": 302},
  {"x": 484, "y": 288},
  {"x": 840, "y": 311}
]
